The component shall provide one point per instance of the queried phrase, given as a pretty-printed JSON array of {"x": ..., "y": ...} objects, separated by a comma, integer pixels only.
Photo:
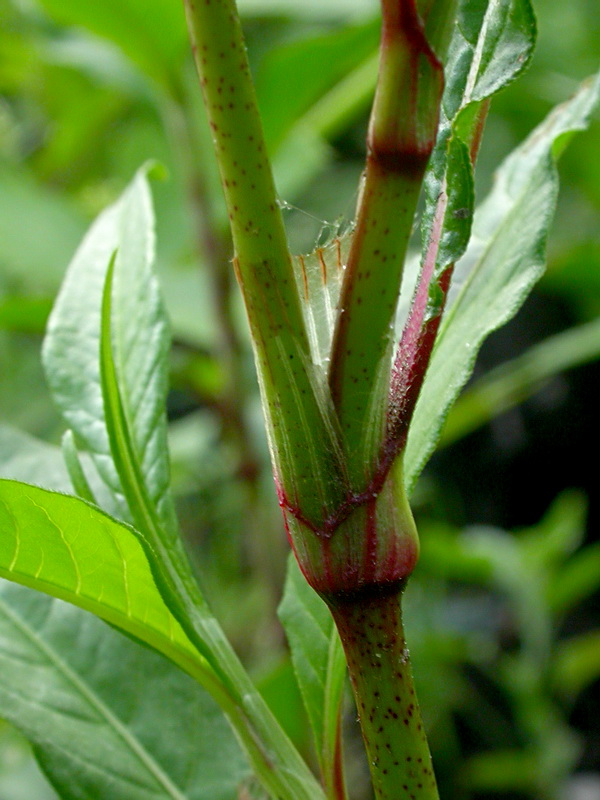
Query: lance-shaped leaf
[
  {"x": 320, "y": 669},
  {"x": 492, "y": 43},
  {"x": 505, "y": 258},
  {"x": 140, "y": 340},
  {"x": 67, "y": 548},
  {"x": 72, "y": 685},
  {"x": 272, "y": 755},
  {"x": 106, "y": 359},
  {"x": 105, "y": 356}
]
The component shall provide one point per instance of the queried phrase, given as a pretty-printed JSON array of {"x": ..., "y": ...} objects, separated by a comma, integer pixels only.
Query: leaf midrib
[{"x": 473, "y": 73}]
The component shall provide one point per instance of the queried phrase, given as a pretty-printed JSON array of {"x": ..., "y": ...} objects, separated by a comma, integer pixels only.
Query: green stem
[
  {"x": 214, "y": 250},
  {"x": 401, "y": 137},
  {"x": 370, "y": 626},
  {"x": 296, "y": 417}
]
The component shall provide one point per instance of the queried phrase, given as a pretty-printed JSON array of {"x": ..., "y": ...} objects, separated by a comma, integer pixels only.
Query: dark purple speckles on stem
[{"x": 371, "y": 631}]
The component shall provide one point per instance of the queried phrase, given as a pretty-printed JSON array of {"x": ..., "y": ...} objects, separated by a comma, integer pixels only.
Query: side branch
[
  {"x": 262, "y": 261},
  {"x": 229, "y": 97},
  {"x": 402, "y": 133}
]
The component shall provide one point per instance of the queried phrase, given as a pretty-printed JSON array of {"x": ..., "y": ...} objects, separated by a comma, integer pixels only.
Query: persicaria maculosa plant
[
  {"x": 338, "y": 411},
  {"x": 355, "y": 384}
]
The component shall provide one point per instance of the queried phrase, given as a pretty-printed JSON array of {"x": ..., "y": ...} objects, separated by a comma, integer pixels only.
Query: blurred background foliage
[{"x": 503, "y": 612}]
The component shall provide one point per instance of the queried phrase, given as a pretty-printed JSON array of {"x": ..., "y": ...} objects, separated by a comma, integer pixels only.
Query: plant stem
[
  {"x": 214, "y": 250},
  {"x": 295, "y": 416},
  {"x": 402, "y": 133},
  {"x": 401, "y": 137},
  {"x": 346, "y": 512},
  {"x": 370, "y": 626},
  {"x": 264, "y": 270}
]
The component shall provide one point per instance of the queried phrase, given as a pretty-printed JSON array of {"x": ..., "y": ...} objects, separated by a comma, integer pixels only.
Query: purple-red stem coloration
[{"x": 419, "y": 334}]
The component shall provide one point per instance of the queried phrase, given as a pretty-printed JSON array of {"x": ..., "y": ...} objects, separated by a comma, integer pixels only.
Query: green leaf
[
  {"x": 319, "y": 664},
  {"x": 504, "y": 259},
  {"x": 65, "y": 547},
  {"x": 108, "y": 719},
  {"x": 118, "y": 320},
  {"x": 175, "y": 580},
  {"x": 105, "y": 356},
  {"x": 140, "y": 339},
  {"x": 118, "y": 427},
  {"x": 491, "y": 44},
  {"x": 166, "y": 554}
]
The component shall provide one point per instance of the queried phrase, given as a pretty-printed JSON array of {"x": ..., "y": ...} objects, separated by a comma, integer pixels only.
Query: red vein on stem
[
  {"x": 419, "y": 334},
  {"x": 418, "y": 337}
]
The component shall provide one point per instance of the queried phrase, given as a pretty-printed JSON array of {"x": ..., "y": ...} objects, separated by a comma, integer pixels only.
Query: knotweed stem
[{"x": 370, "y": 626}]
